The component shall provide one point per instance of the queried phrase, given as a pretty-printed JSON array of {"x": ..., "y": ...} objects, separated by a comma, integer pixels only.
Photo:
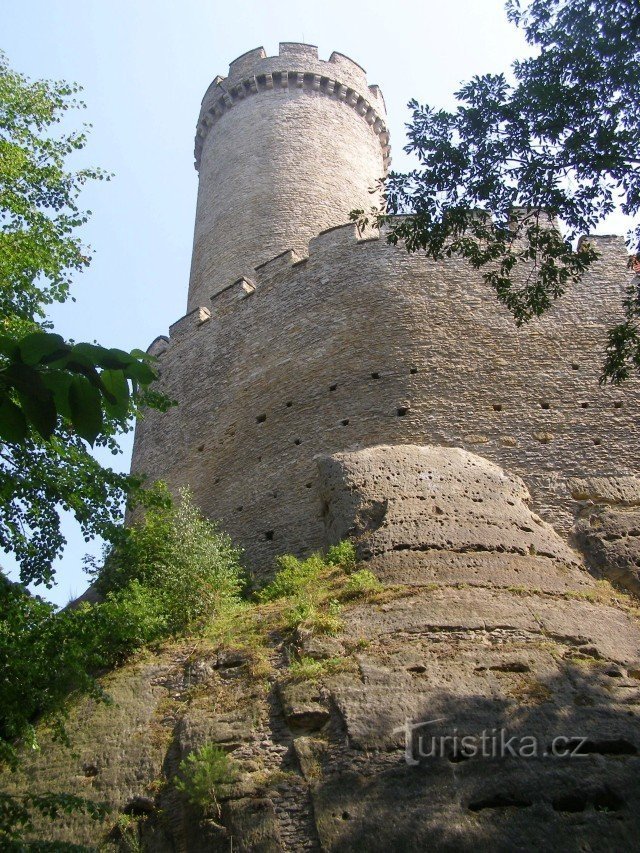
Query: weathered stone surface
[
  {"x": 317, "y": 646},
  {"x": 252, "y": 825},
  {"x": 621, "y": 491},
  {"x": 479, "y": 569},
  {"x": 610, "y": 539},
  {"x": 303, "y": 706},
  {"x": 411, "y": 498}
]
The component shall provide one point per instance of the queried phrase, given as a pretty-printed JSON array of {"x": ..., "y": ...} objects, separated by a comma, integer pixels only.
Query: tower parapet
[{"x": 286, "y": 146}]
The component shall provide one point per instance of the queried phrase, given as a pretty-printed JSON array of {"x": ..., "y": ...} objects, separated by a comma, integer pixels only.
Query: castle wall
[
  {"x": 363, "y": 344},
  {"x": 286, "y": 147}
]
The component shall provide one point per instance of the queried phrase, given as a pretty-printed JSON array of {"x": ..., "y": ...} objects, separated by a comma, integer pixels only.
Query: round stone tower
[{"x": 286, "y": 147}]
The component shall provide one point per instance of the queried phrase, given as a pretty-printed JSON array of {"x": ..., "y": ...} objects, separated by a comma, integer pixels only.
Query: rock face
[
  {"x": 608, "y": 527},
  {"x": 426, "y": 502},
  {"x": 489, "y": 699}
]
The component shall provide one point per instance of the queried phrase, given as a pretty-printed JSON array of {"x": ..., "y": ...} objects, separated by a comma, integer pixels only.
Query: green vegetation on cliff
[{"x": 172, "y": 574}]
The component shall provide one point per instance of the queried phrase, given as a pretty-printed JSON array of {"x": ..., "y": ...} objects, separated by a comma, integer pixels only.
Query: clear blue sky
[{"x": 144, "y": 66}]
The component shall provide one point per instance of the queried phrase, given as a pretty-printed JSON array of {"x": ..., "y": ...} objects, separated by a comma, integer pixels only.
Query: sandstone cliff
[{"x": 487, "y": 621}]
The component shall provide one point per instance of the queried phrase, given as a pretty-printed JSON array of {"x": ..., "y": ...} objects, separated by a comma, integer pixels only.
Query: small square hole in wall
[
  {"x": 401, "y": 411},
  {"x": 575, "y": 366},
  {"x": 375, "y": 375},
  {"x": 345, "y": 422},
  {"x": 261, "y": 418},
  {"x": 413, "y": 370},
  {"x": 497, "y": 407},
  {"x": 597, "y": 441},
  {"x": 297, "y": 441},
  {"x": 289, "y": 403},
  {"x": 333, "y": 387},
  {"x": 584, "y": 405},
  {"x": 268, "y": 535},
  {"x": 545, "y": 405},
  {"x": 200, "y": 448},
  {"x": 618, "y": 404}
]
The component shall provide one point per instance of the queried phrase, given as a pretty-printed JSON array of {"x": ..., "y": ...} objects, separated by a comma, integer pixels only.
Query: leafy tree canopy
[
  {"x": 56, "y": 397},
  {"x": 558, "y": 139}
]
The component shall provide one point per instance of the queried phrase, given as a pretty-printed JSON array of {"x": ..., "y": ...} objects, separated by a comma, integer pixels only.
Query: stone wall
[{"x": 361, "y": 344}]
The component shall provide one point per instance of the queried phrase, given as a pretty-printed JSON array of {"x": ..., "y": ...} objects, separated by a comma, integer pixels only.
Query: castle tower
[
  {"x": 286, "y": 146},
  {"x": 305, "y": 338}
]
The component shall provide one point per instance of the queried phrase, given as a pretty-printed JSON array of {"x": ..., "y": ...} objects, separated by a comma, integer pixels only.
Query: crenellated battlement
[
  {"x": 330, "y": 245},
  {"x": 296, "y": 67}
]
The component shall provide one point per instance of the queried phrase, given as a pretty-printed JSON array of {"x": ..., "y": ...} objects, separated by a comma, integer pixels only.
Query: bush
[
  {"x": 127, "y": 620},
  {"x": 361, "y": 583},
  {"x": 44, "y": 658},
  {"x": 191, "y": 566},
  {"x": 293, "y": 578},
  {"x": 169, "y": 573},
  {"x": 343, "y": 555},
  {"x": 203, "y": 774}
]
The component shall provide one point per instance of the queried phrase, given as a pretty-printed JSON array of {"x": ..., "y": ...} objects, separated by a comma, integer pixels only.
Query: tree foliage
[
  {"x": 559, "y": 139},
  {"x": 170, "y": 573},
  {"x": 173, "y": 571},
  {"x": 56, "y": 397}
]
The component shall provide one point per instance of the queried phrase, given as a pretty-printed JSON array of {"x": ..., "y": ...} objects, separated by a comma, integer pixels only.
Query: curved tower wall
[
  {"x": 286, "y": 147},
  {"x": 302, "y": 341},
  {"x": 376, "y": 346}
]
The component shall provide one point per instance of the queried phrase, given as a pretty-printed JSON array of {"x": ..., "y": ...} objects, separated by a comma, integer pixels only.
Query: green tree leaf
[
  {"x": 114, "y": 381},
  {"x": 13, "y": 424},
  {"x": 40, "y": 411},
  {"x": 39, "y": 346},
  {"x": 86, "y": 408}
]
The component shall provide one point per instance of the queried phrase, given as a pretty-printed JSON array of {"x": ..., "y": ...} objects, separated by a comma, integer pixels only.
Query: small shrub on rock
[
  {"x": 360, "y": 584},
  {"x": 204, "y": 774}
]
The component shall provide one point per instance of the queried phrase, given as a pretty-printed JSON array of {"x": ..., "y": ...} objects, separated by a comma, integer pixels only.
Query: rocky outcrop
[
  {"x": 488, "y": 698},
  {"x": 608, "y": 527}
]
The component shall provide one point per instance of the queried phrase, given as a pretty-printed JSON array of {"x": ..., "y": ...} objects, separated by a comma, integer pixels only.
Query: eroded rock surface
[{"x": 608, "y": 527}]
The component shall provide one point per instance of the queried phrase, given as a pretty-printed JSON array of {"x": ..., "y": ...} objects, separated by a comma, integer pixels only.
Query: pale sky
[{"x": 144, "y": 66}]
